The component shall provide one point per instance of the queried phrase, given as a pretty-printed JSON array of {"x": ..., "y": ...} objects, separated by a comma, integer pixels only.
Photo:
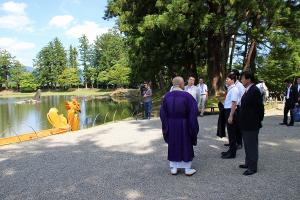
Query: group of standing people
[
  {"x": 199, "y": 92},
  {"x": 292, "y": 99},
  {"x": 244, "y": 112}
]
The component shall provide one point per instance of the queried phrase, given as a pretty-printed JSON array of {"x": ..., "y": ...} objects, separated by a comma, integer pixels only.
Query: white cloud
[
  {"x": 24, "y": 51},
  {"x": 15, "y": 16},
  {"x": 13, "y": 45},
  {"x": 89, "y": 28},
  {"x": 61, "y": 20},
  {"x": 12, "y": 7}
]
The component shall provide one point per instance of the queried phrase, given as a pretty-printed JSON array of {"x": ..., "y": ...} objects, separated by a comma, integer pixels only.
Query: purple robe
[{"x": 178, "y": 114}]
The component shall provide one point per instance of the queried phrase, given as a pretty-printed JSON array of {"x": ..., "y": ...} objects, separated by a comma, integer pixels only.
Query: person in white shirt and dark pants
[
  {"x": 230, "y": 106},
  {"x": 203, "y": 94},
  {"x": 241, "y": 90},
  {"x": 290, "y": 102}
]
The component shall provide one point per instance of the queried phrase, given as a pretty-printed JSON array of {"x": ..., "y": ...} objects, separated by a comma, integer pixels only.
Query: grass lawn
[{"x": 76, "y": 92}]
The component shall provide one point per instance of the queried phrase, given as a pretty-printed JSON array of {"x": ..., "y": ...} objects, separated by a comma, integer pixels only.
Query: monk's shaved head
[{"x": 178, "y": 82}]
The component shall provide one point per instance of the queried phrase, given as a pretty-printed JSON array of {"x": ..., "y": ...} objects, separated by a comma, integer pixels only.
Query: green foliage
[
  {"x": 282, "y": 63},
  {"x": 113, "y": 63},
  {"x": 177, "y": 37},
  {"x": 69, "y": 78},
  {"x": 28, "y": 83},
  {"x": 72, "y": 57},
  {"x": 16, "y": 72},
  {"x": 85, "y": 57},
  {"x": 119, "y": 75},
  {"x": 6, "y": 61},
  {"x": 50, "y": 63}
]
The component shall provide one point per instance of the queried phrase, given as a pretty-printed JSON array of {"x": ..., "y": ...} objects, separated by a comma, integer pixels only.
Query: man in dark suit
[
  {"x": 250, "y": 116},
  {"x": 297, "y": 88},
  {"x": 291, "y": 98}
]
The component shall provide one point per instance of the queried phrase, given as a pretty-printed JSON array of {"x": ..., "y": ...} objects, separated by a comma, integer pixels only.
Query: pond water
[{"x": 16, "y": 119}]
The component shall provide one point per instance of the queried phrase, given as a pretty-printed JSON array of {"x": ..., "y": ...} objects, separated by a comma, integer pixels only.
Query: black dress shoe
[
  {"x": 228, "y": 156},
  {"x": 290, "y": 124},
  {"x": 283, "y": 123},
  {"x": 226, "y": 145},
  {"x": 243, "y": 166},
  {"x": 249, "y": 172},
  {"x": 225, "y": 152},
  {"x": 239, "y": 146}
]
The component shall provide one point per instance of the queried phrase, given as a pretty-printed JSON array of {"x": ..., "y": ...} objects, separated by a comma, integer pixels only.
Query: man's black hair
[
  {"x": 236, "y": 72},
  {"x": 232, "y": 76}
]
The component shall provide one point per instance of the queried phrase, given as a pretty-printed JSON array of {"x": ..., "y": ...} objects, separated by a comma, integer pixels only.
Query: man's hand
[{"x": 230, "y": 120}]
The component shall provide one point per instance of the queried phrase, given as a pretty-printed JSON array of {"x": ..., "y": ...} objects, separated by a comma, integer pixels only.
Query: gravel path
[{"x": 127, "y": 160}]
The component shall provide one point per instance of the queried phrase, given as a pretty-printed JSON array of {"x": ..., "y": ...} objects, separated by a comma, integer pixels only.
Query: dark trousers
[
  {"x": 250, "y": 139},
  {"x": 231, "y": 130},
  {"x": 238, "y": 131},
  {"x": 148, "y": 109},
  {"x": 288, "y": 107}
]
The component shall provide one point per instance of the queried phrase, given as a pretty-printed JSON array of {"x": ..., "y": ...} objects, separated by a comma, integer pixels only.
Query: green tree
[
  {"x": 114, "y": 61},
  {"x": 50, "y": 63},
  {"x": 69, "y": 78},
  {"x": 60, "y": 58},
  {"x": 16, "y": 73},
  {"x": 28, "y": 83},
  {"x": 85, "y": 58},
  {"x": 119, "y": 75},
  {"x": 5, "y": 65},
  {"x": 168, "y": 38},
  {"x": 72, "y": 57}
]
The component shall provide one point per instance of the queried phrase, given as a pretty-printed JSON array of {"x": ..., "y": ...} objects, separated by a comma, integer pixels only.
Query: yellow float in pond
[
  {"x": 73, "y": 108},
  {"x": 59, "y": 121}
]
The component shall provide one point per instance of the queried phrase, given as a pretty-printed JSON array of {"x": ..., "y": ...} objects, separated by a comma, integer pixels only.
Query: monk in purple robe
[{"x": 178, "y": 114}]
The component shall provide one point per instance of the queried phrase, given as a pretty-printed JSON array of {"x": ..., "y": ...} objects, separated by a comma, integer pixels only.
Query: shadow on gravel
[{"x": 86, "y": 170}]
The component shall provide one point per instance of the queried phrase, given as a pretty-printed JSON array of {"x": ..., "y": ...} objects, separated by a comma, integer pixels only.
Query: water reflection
[{"x": 22, "y": 118}]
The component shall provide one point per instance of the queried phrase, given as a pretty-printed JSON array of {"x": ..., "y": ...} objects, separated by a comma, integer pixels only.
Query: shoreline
[{"x": 78, "y": 92}]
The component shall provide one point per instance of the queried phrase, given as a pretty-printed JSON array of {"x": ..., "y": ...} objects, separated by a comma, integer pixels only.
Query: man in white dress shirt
[
  {"x": 263, "y": 90},
  {"x": 191, "y": 88},
  {"x": 241, "y": 90},
  {"x": 203, "y": 94},
  {"x": 230, "y": 106}
]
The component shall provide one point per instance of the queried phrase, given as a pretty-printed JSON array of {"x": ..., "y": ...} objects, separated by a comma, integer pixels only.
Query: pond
[{"x": 16, "y": 119}]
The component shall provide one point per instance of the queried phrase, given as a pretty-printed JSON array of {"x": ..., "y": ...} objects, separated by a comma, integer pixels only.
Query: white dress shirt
[
  {"x": 232, "y": 95},
  {"x": 241, "y": 90},
  {"x": 288, "y": 92},
  {"x": 193, "y": 90},
  {"x": 202, "y": 88}
]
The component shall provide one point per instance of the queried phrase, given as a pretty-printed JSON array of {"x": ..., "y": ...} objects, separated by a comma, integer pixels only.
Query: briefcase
[{"x": 296, "y": 113}]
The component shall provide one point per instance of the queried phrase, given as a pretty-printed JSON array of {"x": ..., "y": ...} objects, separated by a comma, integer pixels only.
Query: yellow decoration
[
  {"x": 59, "y": 121},
  {"x": 73, "y": 108}
]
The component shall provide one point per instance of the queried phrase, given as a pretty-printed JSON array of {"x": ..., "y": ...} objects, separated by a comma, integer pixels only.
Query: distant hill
[{"x": 29, "y": 69}]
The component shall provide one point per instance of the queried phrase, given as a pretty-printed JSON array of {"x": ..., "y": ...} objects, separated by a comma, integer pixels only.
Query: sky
[{"x": 26, "y": 26}]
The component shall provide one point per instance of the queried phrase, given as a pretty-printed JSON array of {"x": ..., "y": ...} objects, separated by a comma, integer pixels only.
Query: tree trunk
[
  {"x": 161, "y": 80},
  {"x": 192, "y": 71},
  {"x": 245, "y": 50},
  {"x": 250, "y": 59},
  {"x": 216, "y": 63},
  {"x": 232, "y": 52}
]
